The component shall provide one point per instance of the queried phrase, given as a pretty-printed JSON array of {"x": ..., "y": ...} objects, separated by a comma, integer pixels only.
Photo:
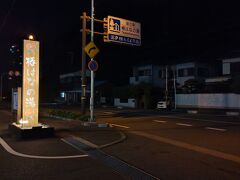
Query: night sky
[{"x": 172, "y": 31}]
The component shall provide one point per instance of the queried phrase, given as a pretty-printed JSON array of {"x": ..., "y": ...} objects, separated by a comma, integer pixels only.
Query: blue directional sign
[
  {"x": 93, "y": 65},
  {"x": 123, "y": 39},
  {"x": 123, "y": 31}
]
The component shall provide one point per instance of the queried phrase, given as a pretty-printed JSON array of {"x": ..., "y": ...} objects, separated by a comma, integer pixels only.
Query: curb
[
  {"x": 62, "y": 118},
  {"x": 192, "y": 112},
  {"x": 15, "y": 153},
  {"x": 123, "y": 137},
  {"x": 92, "y": 145}
]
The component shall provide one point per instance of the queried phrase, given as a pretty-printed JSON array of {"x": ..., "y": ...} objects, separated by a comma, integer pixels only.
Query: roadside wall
[
  {"x": 218, "y": 101},
  {"x": 129, "y": 103}
]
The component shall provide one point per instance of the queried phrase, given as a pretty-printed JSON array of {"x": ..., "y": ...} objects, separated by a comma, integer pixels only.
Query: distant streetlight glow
[{"x": 30, "y": 37}]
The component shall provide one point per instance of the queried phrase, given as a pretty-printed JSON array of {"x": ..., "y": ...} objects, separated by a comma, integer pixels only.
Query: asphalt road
[
  {"x": 159, "y": 144},
  {"x": 178, "y": 145}
]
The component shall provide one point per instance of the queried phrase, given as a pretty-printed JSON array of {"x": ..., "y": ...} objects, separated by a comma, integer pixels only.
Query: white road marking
[
  {"x": 158, "y": 121},
  {"x": 206, "y": 120},
  {"x": 191, "y": 147},
  {"x": 11, "y": 151},
  {"x": 182, "y": 124},
  {"x": 117, "y": 125},
  {"x": 216, "y": 129}
]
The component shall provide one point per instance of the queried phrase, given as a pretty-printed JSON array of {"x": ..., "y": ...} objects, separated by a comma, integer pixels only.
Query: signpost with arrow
[
  {"x": 91, "y": 49},
  {"x": 115, "y": 30}
]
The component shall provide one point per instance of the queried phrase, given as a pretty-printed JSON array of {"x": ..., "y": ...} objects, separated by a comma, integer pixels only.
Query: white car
[{"x": 161, "y": 105}]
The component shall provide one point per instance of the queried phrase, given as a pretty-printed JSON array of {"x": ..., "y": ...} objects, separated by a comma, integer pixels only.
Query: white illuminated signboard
[
  {"x": 123, "y": 31},
  {"x": 30, "y": 84}
]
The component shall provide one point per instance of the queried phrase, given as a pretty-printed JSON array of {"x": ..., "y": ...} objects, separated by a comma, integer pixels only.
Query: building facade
[
  {"x": 231, "y": 66},
  {"x": 150, "y": 74},
  {"x": 191, "y": 70},
  {"x": 71, "y": 89}
]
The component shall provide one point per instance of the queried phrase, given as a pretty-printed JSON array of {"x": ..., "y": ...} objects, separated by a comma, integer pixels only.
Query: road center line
[
  {"x": 216, "y": 129},
  {"x": 158, "y": 121},
  {"x": 182, "y": 124},
  {"x": 117, "y": 125},
  {"x": 191, "y": 147},
  {"x": 11, "y": 151}
]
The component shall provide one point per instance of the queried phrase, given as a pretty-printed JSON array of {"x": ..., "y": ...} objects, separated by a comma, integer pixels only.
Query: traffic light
[{"x": 105, "y": 30}]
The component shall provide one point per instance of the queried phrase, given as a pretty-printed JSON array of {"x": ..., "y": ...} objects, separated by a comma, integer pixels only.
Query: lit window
[{"x": 62, "y": 95}]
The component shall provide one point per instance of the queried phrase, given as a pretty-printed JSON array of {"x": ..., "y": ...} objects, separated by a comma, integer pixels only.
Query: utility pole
[
  {"x": 92, "y": 72},
  {"x": 84, "y": 33},
  {"x": 175, "y": 92},
  {"x": 166, "y": 95},
  {"x": 1, "y": 95}
]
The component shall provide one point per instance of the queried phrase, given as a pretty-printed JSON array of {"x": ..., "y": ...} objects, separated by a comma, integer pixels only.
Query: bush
[{"x": 67, "y": 114}]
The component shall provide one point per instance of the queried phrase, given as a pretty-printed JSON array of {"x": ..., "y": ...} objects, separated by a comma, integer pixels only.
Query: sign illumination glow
[{"x": 30, "y": 83}]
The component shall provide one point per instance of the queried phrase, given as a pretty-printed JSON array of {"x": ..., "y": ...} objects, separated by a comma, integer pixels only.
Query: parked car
[
  {"x": 161, "y": 105},
  {"x": 164, "y": 104}
]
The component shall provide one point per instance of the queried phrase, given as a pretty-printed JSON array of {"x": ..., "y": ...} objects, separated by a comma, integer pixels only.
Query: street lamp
[{"x": 31, "y": 37}]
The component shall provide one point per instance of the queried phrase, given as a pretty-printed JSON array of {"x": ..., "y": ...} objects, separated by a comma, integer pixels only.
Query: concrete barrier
[
  {"x": 232, "y": 113},
  {"x": 192, "y": 111}
]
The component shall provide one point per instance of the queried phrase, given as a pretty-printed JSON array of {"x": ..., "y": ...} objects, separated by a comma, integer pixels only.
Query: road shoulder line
[
  {"x": 182, "y": 124},
  {"x": 13, "y": 152},
  {"x": 197, "y": 119},
  {"x": 117, "y": 125},
  {"x": 215, "y": 129},
  {"x": 191, "y": 147},
  {"x": 158, "y": 121}
]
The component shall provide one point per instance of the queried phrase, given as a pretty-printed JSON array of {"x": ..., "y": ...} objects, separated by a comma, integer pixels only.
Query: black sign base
[{"x": 34, "y": 132}]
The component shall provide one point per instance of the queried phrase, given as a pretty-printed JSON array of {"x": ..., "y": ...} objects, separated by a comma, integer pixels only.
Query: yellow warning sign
[{"x": 91, "y": 49}]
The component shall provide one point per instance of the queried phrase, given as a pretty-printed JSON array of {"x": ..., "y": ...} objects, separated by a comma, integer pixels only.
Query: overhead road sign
[
  {"x": 123, "y": 31},
  {"x": 91, "y": 49}
]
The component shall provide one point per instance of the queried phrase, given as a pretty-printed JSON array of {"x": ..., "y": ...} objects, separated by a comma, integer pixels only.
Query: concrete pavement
[
  {"x": 21, "y": 159},
  {"x": 98, "y": 137}
]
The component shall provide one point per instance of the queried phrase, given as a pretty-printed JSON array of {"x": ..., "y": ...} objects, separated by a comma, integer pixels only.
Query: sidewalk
[
  {"x": 56, "y": 157},
  {"x": 96, "y": 136},
  {"x": 100, "y": 137}
]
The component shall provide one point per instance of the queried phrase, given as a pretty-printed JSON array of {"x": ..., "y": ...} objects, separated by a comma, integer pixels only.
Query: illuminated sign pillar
[{"x": 30, "y": 84}]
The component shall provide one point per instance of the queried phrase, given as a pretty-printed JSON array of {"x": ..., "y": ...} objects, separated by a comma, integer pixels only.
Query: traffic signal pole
[
  {"x": 84, "y": 34},
  {"x": 85, "y": 31},
  {"x": 92, "y": 72}
]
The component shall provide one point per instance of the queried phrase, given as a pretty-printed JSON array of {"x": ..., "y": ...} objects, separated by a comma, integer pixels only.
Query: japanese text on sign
[
  {"x": 123, "y": 31},
  {"x": 30, "y": 83}
]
